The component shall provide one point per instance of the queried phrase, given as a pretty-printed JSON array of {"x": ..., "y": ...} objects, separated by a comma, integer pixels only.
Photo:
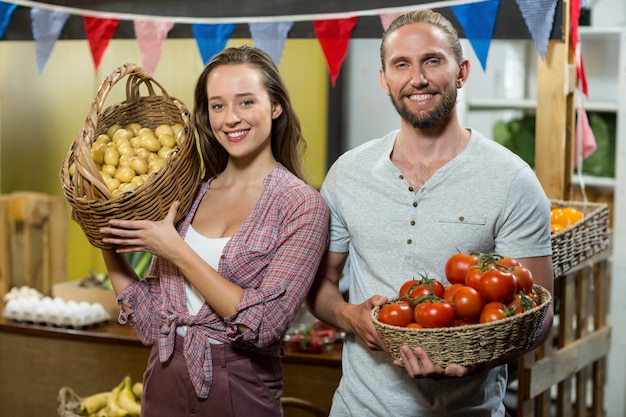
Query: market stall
[{"x": 570, "y": 368}]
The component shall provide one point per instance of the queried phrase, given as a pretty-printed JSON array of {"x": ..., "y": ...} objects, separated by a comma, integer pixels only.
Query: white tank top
[{"x": 209, "y": 249}]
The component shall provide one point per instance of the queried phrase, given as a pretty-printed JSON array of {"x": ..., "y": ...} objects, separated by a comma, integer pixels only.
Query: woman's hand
[{"x": 156, "y": 237}]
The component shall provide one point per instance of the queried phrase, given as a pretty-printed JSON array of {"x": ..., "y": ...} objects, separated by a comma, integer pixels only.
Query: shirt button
[
  {"x": 401, "y": 176},
  {"x": 409, "y": 241},
  {"x": 461, "y": 219},
  {"x": 415, "y": 204},
  {"x": 412, "y": 223},
  {"x": 411, "y": 189}
]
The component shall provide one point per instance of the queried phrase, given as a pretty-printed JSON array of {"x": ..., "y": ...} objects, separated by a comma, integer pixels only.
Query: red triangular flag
[
  {"x": 334, "y": 36},
  {"x": 576, "y": 48},
  {"x": 99, "y": 32}
]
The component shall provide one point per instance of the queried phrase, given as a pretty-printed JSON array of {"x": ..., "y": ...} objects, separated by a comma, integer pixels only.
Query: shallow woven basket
[
  {"x": 472, "y": 344},
  {"x": 92, "y": 203},
  {"x": 582, "y": 240}
]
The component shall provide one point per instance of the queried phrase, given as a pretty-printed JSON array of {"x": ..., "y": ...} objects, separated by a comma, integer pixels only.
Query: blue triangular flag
[
  {"x": 6, "y": 11},
  {"x": 271, "y": 38},
  {"x": 478, "y": 21},
  {"x": 539, "y": 18},
  {"x": 211, "y": 39},
  {"x": 47, "y": 26}
]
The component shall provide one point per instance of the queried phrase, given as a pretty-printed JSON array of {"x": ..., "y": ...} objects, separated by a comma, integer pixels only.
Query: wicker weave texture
[
  {"x": 582, "y": 240},
  {"x": 92, "y": 203},
  {"x": 472, "y": 344}
]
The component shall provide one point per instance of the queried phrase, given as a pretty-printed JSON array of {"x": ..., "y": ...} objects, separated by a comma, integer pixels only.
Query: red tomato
[
  {"x": 520, "y": 303},
  {"x": 432, "y": 315},
  {"x": 493, "y": 311},
  {"x": 473, "y": 277},
  {"x": 457, "y": 266},
  {"x": 509, "y": 262},
  {"x": 524, "y": 277},
  {"x": 404, "y": 289},
  {"x": 497, "y": 285},
  {"x": 414, "y": 325},
  {"x": 428, "y": 286},
  {"x": 396, "y": 314},
  {"x": 450, "y": 290},
  {"x": 467, "y": 303}
]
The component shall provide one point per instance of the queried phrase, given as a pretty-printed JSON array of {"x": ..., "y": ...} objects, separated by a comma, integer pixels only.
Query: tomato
[
  {"x": 492, "y": 311},
  {"x": 524, "y": 277},
  {"x": 521, "y": 302},
  {"x": 497, "y": 285},
  {"x": 556, "y": 217},
  {"x": 404, "y": 289},
  {"x": 467, "y": 303},
  {"x": 473, "y": 277},
  {"x": 427, "y": 287},
  {"x": 571, "y": 214},
  {"x": 430, "y": 315},
  {"x": 414, "y": 325},
  {"x": 457, "y": 266},
  {"x": 450, "y": 290},
  {"x": 396, "y": 314},
  {"x": 509, "y": 262}
]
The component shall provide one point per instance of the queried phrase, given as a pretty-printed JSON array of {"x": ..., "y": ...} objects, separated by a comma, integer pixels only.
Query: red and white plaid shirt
[{"x": 273, "y": 257}]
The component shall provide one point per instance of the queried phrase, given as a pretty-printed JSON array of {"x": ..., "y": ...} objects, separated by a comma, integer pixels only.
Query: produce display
[
  {"x": 563, "y": 217},
  {"x": 483, "y": 288},
  {"x": 313, "y": 339},
  {"x": 124, "y": 400},
  {"x": 127, "y": 156}
]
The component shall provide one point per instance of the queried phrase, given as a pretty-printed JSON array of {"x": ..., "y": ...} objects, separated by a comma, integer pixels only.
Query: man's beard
[{"x": 430, "y": 119}]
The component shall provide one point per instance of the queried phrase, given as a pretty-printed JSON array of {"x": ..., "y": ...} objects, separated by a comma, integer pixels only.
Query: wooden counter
[{"x": 36, "y": 361}]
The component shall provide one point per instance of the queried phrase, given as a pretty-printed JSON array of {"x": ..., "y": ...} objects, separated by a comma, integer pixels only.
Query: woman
[{"x": 226, "y": 281}]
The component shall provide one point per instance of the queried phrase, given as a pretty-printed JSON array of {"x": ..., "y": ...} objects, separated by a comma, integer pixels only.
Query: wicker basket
[
  {"x": 581, "y": 240},
  {"x": 93, "y": 204},
  {"x": 472, "y": 344}
]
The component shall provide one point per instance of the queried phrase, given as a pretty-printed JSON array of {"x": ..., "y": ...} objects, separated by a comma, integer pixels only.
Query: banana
[
  {"x": 104, "y": 412},
  {"x": 127, "y": 399},
  {"x": 93, "y": 403},
  {"x": 138, "y": 389},
  {"x": 113, "y": 405}
]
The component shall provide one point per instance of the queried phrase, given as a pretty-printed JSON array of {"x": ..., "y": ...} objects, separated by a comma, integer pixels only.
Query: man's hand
[
  {"x": 418, "y": 364},
  {"x": 356, "y": 319}
]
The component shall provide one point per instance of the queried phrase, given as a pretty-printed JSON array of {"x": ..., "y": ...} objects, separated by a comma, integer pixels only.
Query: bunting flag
[
  {"x": 47, "y": 26},
  {"x": 334, "y": 37},
  {"x": 333, "y": 30},
  {"x": 575, "y": 44},
  {"x": 271, "y": 38},
  {"x": 478, "y": 21},
  {"x": 6, "y": 11},
  {"x": 99, "y": 32},
  {"x": 387, "y": 18},
  {"x": 539, "y": 17},
  {"x": 151, "y": 36},
  {"x": 211, "y": 39}
]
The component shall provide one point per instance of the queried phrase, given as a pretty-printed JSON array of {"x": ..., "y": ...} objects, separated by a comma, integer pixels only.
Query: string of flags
[
  {"x": 477, "y": 18},
  {"x": 333, "y": 31}
]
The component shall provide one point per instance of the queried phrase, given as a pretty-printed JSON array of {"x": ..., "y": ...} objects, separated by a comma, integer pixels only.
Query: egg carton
[{"x": 55, "y": 311}]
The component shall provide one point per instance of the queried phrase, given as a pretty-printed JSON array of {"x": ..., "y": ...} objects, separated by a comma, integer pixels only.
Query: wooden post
[
  {"x": 556, "y": 82},
  {"x": 33, "y": 241}
]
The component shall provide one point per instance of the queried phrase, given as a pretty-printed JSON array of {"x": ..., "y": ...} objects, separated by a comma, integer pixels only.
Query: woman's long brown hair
[{"x": 288, "y": 144}]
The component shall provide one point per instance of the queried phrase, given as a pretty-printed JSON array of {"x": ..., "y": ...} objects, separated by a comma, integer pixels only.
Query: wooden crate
[
  {"x": 566, "y": 375},
  {"x": 33, "y": 241}
]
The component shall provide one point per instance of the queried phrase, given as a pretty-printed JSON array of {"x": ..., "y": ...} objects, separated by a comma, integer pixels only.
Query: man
[{"x": 401, "y": 206}]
